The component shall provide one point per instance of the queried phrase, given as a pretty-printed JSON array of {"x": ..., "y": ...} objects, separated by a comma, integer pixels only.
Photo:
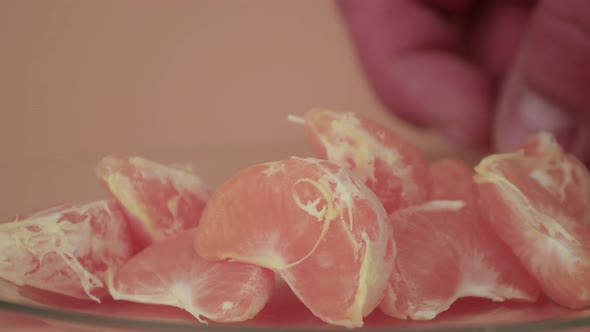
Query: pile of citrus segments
[{"x": 365, "y": 223}]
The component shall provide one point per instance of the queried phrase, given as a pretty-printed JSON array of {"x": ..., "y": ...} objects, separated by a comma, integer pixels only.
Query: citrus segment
[
  {"x": 171, "y": 273},
  {"x": 447, "y": 251},
  {"x": 66, "y": 249},
  {"x": 538, "y": 200},
  {"x": 392, "y": 167},
  {"x": 314, "y": 223},
  {"x": 160, "y": 201}
]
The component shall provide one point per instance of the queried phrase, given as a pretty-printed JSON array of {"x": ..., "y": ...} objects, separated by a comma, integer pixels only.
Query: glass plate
[
  {"x": 30, "y": 309},
  {"x": 283, "y": 313}
]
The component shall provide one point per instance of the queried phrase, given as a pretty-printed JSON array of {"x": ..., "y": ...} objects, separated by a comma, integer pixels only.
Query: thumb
[{"x": 548, "y": 87}]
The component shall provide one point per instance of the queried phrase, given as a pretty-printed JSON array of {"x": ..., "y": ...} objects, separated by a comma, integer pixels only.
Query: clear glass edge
[{"x": 88, "y": 319}]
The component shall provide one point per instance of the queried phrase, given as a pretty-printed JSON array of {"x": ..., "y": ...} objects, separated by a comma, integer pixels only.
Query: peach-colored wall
[{"x": 186, "y": 80}]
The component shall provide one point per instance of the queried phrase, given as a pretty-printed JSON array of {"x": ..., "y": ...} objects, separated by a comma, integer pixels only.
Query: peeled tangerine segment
[
  {"x": 447, "y": 250},
  {"x": 314, "y": 223},
  {"x": 171, "y": 273},
  {"x": 160, "y": 201},
  {"x": 538, "y": 199},
  {"x": 392, "y": 167},
  {"x": 66, "y": 249}
]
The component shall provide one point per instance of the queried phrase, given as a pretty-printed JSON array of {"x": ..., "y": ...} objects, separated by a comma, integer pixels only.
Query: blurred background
[{"x": 207, "y": 82}]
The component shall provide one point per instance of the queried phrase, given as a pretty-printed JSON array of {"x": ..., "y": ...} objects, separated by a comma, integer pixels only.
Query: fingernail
[{"x": 536, "y": 114}]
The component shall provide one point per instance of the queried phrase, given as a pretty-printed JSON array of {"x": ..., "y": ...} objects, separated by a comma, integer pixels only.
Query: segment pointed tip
[{"x": 296, "y": 119}]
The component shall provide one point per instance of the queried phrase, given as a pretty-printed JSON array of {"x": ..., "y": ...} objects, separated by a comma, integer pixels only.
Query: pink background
[
  {"x": 81, "y": 79},
  {"x": 206, "y": 82}
]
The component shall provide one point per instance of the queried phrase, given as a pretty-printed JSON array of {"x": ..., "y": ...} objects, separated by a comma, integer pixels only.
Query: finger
[
  {"x": 548, "y": 85},
  {"x": 496, "y": 35},
  {"x": 408, "y": 51},
  {"x": 451, "y": 8}
]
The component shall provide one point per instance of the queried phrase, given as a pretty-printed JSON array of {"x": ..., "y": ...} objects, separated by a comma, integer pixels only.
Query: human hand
[{"x": 483, "y": 73}]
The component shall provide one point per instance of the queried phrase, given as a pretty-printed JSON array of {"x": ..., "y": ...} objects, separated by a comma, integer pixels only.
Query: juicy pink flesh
[
  {"x": 447, "y": 250},
  {"x": 171, "y": 273}
]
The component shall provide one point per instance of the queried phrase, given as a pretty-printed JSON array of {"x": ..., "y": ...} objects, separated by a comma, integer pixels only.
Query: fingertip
[
  {"x": 529, "y": 114},
  {"x": 547, "y": 86},
  {"x": 515, "y": 126}
]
